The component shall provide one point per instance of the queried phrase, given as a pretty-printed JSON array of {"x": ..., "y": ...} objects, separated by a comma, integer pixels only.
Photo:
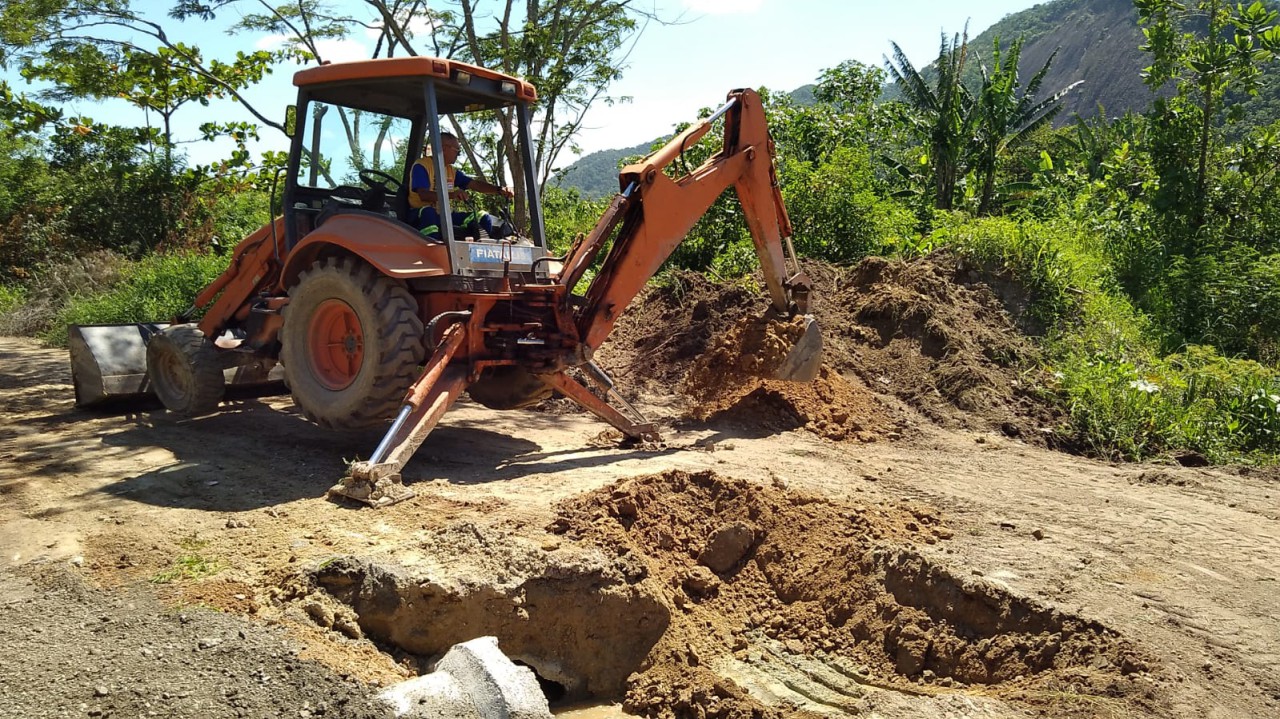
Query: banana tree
[{"x": 1006, "y": 114}]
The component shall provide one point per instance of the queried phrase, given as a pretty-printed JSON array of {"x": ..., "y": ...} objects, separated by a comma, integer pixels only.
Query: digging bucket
[
  {"x": 774, "y": 347},
  {"x": 804, "y": 358}
]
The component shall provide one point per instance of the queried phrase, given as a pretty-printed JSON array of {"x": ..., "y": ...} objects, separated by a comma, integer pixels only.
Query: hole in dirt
[
  {"x": 582, "y": 621},
  {"x": 686, "y": 591},
  {"x": 770, "y": 586},
  {"x": 554, "y": 691}
]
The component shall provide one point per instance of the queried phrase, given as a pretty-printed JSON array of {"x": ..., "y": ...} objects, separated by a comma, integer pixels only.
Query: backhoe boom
[{"x": 656, "y": 212}]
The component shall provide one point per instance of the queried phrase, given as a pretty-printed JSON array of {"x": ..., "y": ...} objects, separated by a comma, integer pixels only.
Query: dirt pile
[
  {"x": 929, "y": 332},
  {"x": 669, "y": 326},
  {"x": 772, "y": 588},
  {"x": 725, "y": 384},
  {"x": 933, "y": 334}
]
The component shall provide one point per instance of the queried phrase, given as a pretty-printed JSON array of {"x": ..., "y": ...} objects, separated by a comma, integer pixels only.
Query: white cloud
[
  {"x": 342, "y": 50},
  {"x": 269, "y": 42},
  {"x": 332, "y": 50},
  {"x": 724, "y": 7}
]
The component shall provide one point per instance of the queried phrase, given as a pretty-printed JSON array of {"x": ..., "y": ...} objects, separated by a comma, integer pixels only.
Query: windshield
[{"x": 339, "y": 142}]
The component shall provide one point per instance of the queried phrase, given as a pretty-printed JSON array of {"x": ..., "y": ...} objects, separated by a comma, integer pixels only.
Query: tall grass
[
  {"x": 1124, "y": 399},
  {"x": 154, "y": 289}
]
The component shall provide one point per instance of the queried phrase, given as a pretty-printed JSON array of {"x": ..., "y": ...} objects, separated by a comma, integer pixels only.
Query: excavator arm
[{"x": 655, "y": 212}]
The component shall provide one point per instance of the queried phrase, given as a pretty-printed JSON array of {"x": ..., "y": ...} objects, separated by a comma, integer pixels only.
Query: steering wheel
[
  {"x": 349, "y": 194},
  {"x": 380, "y": 180}
]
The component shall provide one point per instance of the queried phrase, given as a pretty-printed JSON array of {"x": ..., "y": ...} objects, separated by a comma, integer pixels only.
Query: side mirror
[{"x": 291, "y": 121}]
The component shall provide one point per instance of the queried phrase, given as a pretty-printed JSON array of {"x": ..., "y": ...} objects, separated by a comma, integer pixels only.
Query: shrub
[
  {"x": 152, "y": 290},
  {"x": 835, "y": 211},
  {"x": 11, "y": 297},
  {"x": 566, "y": 214},
  {"x": 1056, "y": 261},
  {"x": 1196, "y": 400}
]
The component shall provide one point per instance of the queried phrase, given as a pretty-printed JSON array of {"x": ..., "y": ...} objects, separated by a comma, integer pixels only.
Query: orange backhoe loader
[{"x": 371, "y": 320}]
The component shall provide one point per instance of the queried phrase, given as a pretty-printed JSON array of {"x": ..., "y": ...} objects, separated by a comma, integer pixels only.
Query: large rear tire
[
  {"x": 185, "y": 370},
  {"x": 351, "y": 343}
]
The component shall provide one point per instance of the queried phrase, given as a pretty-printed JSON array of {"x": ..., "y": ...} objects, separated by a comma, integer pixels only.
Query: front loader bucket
[
  {"x": 109, "y": 367},
  {"x": 109, "y": 362}
]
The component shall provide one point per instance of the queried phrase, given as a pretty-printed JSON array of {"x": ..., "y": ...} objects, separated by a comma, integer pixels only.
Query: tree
[
  {"x": 156, "y": 81},
  {"x": 82, "y": 44},
  {"x": 1007, "y": 114},
  {"x": 567, "y": 48},
  {"x": 1206, "y": 48},
  {"x": 944, "y": 111}
]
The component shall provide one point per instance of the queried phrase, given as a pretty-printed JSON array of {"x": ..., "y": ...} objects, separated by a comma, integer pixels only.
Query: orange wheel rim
[{"x": 335, "y": 343}]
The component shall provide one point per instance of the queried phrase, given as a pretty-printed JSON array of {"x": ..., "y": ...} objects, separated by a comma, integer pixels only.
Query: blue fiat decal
[{"x": 497, "y": 254}]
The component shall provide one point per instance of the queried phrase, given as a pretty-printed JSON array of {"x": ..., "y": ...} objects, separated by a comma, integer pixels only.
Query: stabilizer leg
[
  {"x": 574, "y": 390},
  {"x": 377, "y": 481}
]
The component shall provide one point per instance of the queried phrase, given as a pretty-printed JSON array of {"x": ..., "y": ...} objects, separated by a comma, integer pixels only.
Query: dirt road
[{"x": 732, "y": 572}]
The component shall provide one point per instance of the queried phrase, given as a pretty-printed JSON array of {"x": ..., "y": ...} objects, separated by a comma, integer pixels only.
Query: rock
[
  {"x": 700, "y": 582},
  {"x": 438, "y": 694},
  {"x": 912, "y": 650},
  {"x": 1038, "y": 534},
  {"x": 208, "y": 643},
  {"x": 319, "y": 611},
  {"x": 101, "y": 691},
  {"x": 347, "y": 623},
  {"x": 727, "y": 546}
]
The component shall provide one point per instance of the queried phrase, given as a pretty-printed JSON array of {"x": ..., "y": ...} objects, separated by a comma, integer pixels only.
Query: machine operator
[{"x": 422, "y": 193}]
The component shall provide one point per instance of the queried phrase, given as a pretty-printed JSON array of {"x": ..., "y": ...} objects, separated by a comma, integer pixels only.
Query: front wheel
[
  {"x": 185, "y": 370},
  {"x": 351, "y": 343}
]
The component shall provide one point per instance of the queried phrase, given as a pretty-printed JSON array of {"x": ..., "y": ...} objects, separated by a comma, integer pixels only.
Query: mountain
[
  {"x": 1097, "y": 42},
  {"x": 596, "y": 175}
]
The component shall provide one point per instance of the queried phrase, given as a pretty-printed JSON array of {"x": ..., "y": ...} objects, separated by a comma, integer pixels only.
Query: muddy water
[{"x": 591, "y": 711}]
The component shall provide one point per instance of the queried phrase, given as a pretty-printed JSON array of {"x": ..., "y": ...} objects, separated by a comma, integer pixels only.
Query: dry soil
[{"x": 896, "y": 540}]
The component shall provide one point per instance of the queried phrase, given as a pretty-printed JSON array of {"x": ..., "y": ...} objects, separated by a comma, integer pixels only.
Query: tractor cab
[{"x": 359, "y": 128}]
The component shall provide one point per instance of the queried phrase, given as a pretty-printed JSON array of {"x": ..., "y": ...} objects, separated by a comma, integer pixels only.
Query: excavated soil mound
[
  {"x": 933, "y": 333},
  {"x": 930, "y": 332},
  {"x": 671, "y": 325},
  {"x": 725, "y": 385},
  {"x": 770, "y": 588}
]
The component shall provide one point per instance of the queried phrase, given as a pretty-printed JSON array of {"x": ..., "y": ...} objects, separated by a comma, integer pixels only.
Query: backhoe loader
[{"x": 372, "y": 321}]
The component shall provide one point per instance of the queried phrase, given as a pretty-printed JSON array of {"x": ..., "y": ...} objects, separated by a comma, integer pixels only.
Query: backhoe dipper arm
[{"x": 657, "y": 212}]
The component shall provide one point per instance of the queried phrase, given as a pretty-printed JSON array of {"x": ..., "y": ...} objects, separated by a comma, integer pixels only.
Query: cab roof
[{"x": 394, "y": 86}]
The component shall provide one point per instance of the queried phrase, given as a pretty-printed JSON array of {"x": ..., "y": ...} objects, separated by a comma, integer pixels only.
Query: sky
[{"x": 704, "y": 49}]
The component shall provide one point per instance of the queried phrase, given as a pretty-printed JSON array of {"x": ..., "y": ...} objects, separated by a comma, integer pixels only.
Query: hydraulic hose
[{"x": 462, "y": 315}]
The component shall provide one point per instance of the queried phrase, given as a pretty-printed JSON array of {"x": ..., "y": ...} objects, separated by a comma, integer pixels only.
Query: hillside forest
[{"x": 1139, "y": 250}]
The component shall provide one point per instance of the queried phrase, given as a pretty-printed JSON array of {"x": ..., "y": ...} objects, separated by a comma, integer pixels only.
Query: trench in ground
[{"x": 655, "y": 585}]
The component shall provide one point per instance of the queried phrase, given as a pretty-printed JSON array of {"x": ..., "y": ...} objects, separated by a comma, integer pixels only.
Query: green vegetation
[
  {"x": 153, "y": 289},
  {"x": 190, "y": 565}
]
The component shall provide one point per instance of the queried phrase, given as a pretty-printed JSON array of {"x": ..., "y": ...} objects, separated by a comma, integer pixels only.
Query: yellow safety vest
[{"x": 429, "y": 165}]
